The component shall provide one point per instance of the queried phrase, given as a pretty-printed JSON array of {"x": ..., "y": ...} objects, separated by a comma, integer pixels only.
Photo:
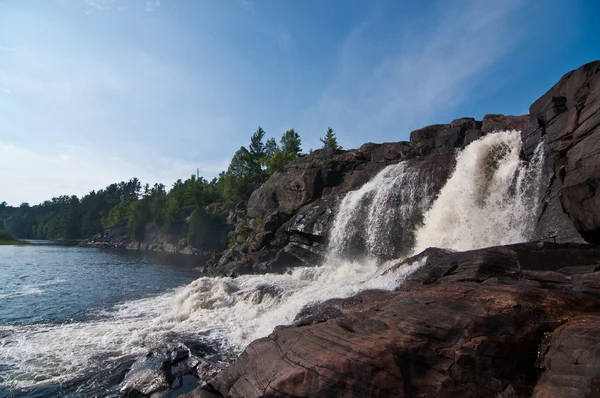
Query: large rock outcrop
[
  {"x": 512, "y": 321},
  {"x": 466, "y": 324},
  {"x": 567, "y": 118}
]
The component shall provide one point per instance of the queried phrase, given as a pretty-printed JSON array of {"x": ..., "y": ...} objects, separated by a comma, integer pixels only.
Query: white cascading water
[
  {"x": 490, "y": 199},
  {"x": 480, "y": 205},
  {"x": 381, "y": 215}
]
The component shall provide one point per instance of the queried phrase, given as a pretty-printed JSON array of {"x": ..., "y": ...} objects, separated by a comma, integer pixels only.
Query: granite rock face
[
  {"x": 567, "y": 119},
  {"x": 511, "y": 321}
]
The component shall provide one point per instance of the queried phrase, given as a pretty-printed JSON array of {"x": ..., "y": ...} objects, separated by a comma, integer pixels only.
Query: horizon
[{"x": 95, "y": 92}]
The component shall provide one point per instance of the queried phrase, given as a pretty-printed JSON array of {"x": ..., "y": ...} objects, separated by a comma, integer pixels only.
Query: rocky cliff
[
  {"x": 289, "y": 216},
  {"x": 175, "y": 241},
  {"x": 510, "y": 321}
]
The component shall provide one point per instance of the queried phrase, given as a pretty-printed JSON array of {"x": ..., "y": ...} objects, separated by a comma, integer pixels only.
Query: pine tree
[
  {"x": 271, "y": 148},
  {"x": 330, "y": 141},
  {"x": 291, "y": 143},
  {"x": 257, "y": 147}
]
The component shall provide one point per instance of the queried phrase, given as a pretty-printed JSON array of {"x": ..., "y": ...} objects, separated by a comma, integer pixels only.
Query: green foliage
[
  {"x": 257, "y": 147},
  {"x": 278, "y": 161},
  {"x": 6, "y": 236},
  {"x": 271, "y": 148},
  {"x": 182, "y": 209},
  {"x": 117, "y": 214},
  {"x": 241, "y": 236},
  {"x": 330, "y": 141},
  {"x": 291, "y": 143},
  {"x": 139, "y": 215}
]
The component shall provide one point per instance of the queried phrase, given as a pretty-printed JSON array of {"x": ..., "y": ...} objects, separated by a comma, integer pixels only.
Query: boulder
[
  {"x": 494, "y": 122},
  {"x": 148, "y": 375},
  {"x": 388, "y": 151}
]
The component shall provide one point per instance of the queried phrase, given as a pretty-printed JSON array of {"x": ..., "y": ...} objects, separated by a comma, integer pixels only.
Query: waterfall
[
  {"x": 377, "y": 220},
  {"x": 490, "y": 199}
]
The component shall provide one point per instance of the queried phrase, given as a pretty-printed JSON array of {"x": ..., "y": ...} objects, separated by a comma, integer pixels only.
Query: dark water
[{"x": 44, "y": 287}]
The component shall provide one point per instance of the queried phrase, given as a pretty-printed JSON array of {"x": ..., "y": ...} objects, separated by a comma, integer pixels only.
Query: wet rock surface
[
  {"x": 172, "y": 371},
  {"x": 466, "y": 324}
]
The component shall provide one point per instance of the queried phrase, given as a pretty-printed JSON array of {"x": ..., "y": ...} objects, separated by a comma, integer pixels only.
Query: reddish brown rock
[
  {"x": 570, "y": 358},
  {"x": 465, "y": 325}
]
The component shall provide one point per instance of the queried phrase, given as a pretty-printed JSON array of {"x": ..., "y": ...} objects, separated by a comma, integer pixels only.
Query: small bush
[{"x": 6, "y": 236}]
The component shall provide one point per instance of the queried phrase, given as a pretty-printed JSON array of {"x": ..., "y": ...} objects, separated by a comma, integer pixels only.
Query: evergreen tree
[
  {"x": 330, "y": 141},
  {"x": 257, "y": 149},
  {"x": 291, "y": 143},
  {"x": 271, "y": 148}
]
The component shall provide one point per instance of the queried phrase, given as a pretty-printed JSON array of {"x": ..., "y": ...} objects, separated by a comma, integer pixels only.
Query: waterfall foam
[
  {"x": 490, "y": 199},
  {"x": 230, "y": 312}
]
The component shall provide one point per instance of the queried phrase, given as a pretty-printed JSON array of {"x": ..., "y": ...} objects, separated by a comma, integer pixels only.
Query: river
[{"x": 51, "y": 296}]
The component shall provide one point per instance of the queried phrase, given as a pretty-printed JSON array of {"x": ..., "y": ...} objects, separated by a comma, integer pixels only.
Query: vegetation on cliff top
[{"x": 196, "y": 203}]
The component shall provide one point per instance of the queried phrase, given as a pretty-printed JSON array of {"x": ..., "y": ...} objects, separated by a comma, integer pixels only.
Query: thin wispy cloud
[
  {"x": 120, "y": 5},
  {"x": 249, "y": 6},
  {"x": 152, "y": 5},
  {"x": 100, "y": 5},
  {"x": 8, "y": 49},
  {"x": 427, "y": 70}
]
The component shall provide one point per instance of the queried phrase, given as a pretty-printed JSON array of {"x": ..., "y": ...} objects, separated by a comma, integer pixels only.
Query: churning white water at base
[
  {"x": 490, "y": 199},
  {"x": 231, "y": 311}
]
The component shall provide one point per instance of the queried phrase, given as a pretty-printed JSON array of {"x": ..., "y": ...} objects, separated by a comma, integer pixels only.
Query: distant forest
[{"x": 195, "y": 201}]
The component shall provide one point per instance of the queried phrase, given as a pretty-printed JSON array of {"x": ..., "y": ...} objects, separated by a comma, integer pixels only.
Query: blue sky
[{"x": 99, "y": 91}]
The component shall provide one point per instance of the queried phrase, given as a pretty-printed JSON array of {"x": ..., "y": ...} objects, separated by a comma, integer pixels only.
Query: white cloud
[
  {"x": 99, "y": 4},
  {"x": 120, "y": 5},
  {"x": 8, "y": 49},
  {"x": 434, "y": 66}
]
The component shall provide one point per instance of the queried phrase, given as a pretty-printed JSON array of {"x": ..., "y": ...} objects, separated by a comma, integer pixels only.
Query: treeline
[{"x": 191, "y": 207}]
